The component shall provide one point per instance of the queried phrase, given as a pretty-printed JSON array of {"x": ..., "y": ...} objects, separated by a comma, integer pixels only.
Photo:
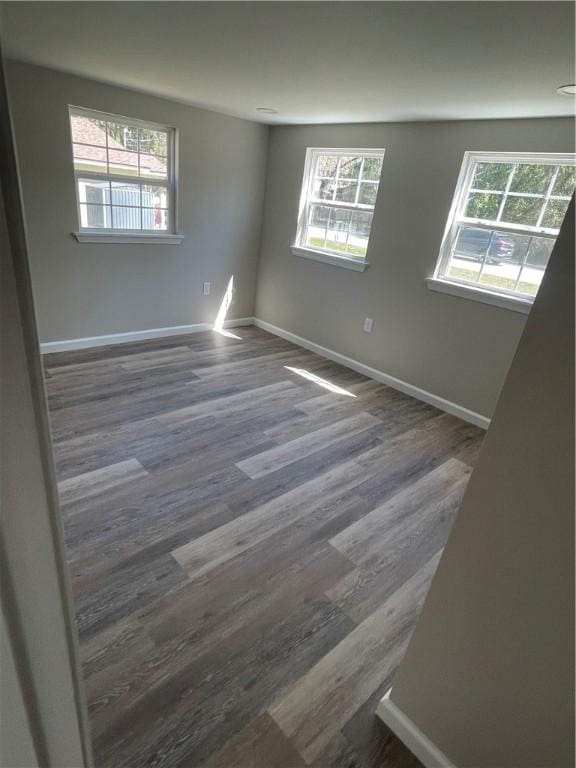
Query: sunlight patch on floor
[{"x": 320, "y": 381}]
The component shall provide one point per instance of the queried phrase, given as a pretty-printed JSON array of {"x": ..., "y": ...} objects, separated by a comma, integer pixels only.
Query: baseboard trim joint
[{"x": 410, "y": 735}]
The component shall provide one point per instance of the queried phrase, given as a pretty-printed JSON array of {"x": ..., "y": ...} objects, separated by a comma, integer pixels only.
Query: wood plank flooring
[{"x": 251, "y": 531}]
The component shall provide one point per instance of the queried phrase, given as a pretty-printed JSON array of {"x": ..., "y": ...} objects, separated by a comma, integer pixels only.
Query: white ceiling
[{"x": 315, "y": 62}]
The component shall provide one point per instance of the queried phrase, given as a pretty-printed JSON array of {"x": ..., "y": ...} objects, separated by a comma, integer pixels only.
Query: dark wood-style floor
[{"x": 249, "y": 550}]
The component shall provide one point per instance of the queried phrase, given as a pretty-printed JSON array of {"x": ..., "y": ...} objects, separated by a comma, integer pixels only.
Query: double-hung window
[
  {"x": 505, "y": 218},
  {"x": 339, "y": 192},
  {"x": 124, "y": 171}
]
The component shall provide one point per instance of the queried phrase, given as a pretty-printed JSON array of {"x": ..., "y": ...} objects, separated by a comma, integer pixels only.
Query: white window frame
[
  {"x": 130, "y": 236},
  {"x": 323, "y": 255},
  {"x": 483, "y": 293}
]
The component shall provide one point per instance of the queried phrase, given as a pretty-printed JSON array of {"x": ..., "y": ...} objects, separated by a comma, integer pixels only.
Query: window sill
[
  {"x": 129, "y": 238},
  {"x": 513, "y": 303},
  {"x": 348, "y": 262}
]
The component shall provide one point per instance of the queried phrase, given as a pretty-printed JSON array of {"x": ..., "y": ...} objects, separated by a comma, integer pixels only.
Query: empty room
[{"x": 287, "y": 384}]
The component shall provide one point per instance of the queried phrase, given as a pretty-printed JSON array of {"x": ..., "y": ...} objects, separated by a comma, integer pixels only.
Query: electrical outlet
[
  {"x": 206, "y": 289},
  {"x": 368, "y": 323}
]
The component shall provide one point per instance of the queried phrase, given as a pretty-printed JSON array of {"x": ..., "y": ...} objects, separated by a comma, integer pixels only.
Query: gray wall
[
  {"x": 489, "y": 673},
  {"x": 455, "y": 348},
  {"x": 89, "y": 290}
]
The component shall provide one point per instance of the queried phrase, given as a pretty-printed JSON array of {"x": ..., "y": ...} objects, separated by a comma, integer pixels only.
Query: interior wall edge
[
  {"x": 408, "y": 732},
  {"x": 32, "y": 535}
]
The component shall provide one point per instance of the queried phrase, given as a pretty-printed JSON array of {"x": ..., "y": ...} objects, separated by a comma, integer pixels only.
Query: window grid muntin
[
  {"x": 310, "y": 200},
  {"x": 167, "y": 181},
  {"x": 135, "y": 181},
  {"x": 315, "y": 176},
  {"x": 458, "y": 221},
  {"x": 506, "y": 193},
  {"x": 489, "y": 286}
]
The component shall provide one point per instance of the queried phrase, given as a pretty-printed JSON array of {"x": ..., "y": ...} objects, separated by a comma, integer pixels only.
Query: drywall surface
[
  {"x": 94, "y": 289},
  {"x": 315, "y": 62},
  {"x": 455, "y": 348},
  {"x": 489, "y": 673},
  {"x": 16, "y": 742},
  {"x": 32, "y": 598}
]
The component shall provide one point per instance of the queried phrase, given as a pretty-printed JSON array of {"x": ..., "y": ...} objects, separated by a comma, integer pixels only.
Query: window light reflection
[{"x": 320, "y": 381}]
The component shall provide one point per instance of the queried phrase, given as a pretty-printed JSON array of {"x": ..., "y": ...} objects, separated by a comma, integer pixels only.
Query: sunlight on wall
[
  {"x": 223, "y": 311},
  {"x": 321, "y": 382}
]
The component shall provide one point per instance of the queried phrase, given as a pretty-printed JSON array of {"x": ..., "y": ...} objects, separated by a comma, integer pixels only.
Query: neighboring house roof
[{"x": 90, "y": 145}]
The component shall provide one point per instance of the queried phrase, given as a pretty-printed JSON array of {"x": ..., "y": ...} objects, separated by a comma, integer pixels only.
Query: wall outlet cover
[
  {"x": 368, "y": 323},
  {"x": 206, "y": 288}
]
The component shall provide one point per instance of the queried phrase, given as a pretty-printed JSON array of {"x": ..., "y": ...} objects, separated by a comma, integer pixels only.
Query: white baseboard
[
  {"x": 122, "y": 338},
  {"x": 366, "y": 370},
  {"x": 410, "y": 735},
  {"x": 374, "y": 373}
]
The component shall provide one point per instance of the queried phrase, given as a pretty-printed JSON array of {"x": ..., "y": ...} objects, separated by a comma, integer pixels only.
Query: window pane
[
  {"x": 507, "y": 248},
  {"x": 125, "y": 194},
  {"x": 565, "y": 181},
  {"x": 319, "y": 215},
  {"x": 472, "y": 243},
  {"x": 122, "y": 162},
  {"x": 150, "y": 165},
  {"x": 532, "y": 178},
  {"x": 96, "y": 216},
  {"x": 92, "y": 191},
  {"x": 122, "y": 136},
  {"x": 529, "y": 281},
  {"x": 323, "y": 189},
  {"x": 346, "y": 191},
  {"x": 88, "y": 158},
  {"x": 125, "y": 218},
  {"x": 490, "y": 257},
  {"x": 522, "y": 210},
  {"x": 349, "y": 167},
  {"x": 153, "y": 197},
  {"x": 503, "y": 276},
  {"x": 372, "y": 168},
  {"x": 554, "y": 213},
  {"x": 130, "y": 138},
  {"x": 468, "y": 253},
  {"x": 154, "y": 218},
  {"x": 367, "y": 194},
  {"x": 533, "y": 270},
  {"x": 88, "y": 130},
  {"x": 504, "y": 258},
  {"x": 153, "y": 142},
  {"x": 360, "y": 224},
  {"x": 482, "y": 205},
  {"x": 337, "y": 232},
  {"x": 539, "y": 251},
  {"x": 326, "y": 165},
  {"x": 491, "y": 176},
  {"x": 317, "y": 222},
  {"x": 467, "y": 272}
]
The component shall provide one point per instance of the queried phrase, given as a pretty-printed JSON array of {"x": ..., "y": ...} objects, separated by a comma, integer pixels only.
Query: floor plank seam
[{"x": 249, "y": 546}]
